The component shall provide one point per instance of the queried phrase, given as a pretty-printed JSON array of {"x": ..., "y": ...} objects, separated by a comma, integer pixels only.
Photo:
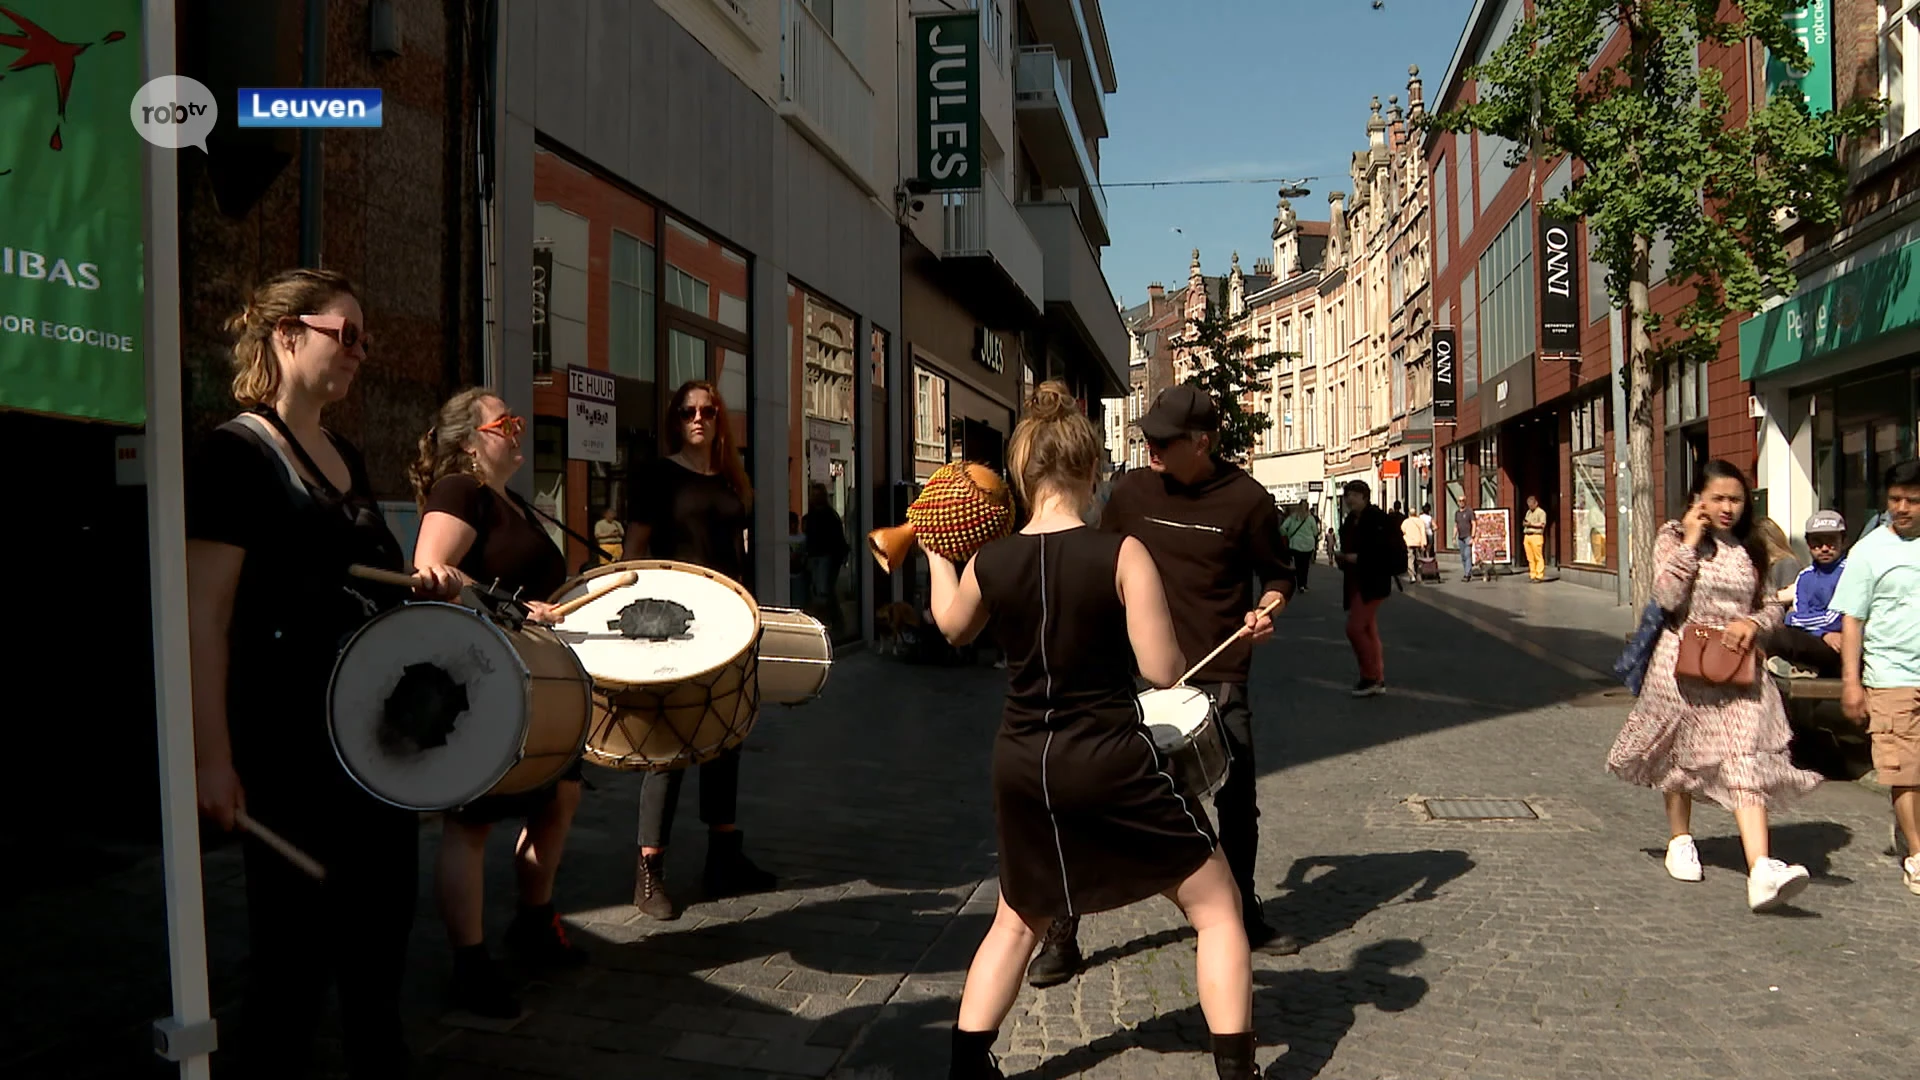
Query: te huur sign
[{"x": 947, "y": 87}]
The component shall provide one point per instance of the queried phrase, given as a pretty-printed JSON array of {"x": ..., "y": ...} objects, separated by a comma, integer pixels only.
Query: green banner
[
  {"x": 947, "y": 87},
  {"x": 1812, "y": 23},
  {"x": 1860, "y": 306},
  {"x": 71, "y": 210}
]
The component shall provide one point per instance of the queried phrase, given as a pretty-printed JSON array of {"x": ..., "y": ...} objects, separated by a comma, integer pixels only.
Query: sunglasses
[
  {"x": 703, "y": 412},
  {"x": 340, "y": 329},
  {"x": 507, "y": 426},
  {"x": 1823, "y": 541}
]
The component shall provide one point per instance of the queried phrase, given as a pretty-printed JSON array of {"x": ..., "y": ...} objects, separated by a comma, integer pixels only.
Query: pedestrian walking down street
[
  {"x": 475, "y": 528},
  {"x": 277, "y": 508},
  {"x": 1879, "y": 597},
  {"x": 1087, "y": 815},
  {"x": 1691, "y": 738},
  {"x": 1301, "y": 530},
  {"x": 1212, "y": 530},
  {"x": 1534, "y": 525},
  {"x": 693, "y": 506},
  {"x": 1463, "y": 534},
  {"x": 1372, "y": 555},
  {"x": 1413, "y": 533}
]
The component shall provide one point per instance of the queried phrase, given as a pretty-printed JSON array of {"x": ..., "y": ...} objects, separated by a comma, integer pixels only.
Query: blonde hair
[
  {"x": 1778, "y": 549},
  {"x": 443, "y": 449},
  {"x": 288, "y": 294},
  {"x": 1054, "y": 445}
]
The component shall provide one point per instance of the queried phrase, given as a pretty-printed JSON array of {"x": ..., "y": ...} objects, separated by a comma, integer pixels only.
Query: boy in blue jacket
[{"x": 1809, "y": 644}]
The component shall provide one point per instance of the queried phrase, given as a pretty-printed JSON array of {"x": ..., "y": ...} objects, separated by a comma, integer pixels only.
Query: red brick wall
[{"x": 386, "y": 197}]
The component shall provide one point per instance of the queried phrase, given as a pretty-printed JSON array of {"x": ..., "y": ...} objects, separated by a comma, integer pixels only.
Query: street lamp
[{"x": 1294, "y": 191}]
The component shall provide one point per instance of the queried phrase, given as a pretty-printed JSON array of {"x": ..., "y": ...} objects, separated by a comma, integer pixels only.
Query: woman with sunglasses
[
  {"x": 278, "y": 508},
  {"x": 471, "y": 524},
  {"x": 692, "y": 506}
]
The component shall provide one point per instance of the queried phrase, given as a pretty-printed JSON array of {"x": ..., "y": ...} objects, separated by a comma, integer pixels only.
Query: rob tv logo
[{"x": 324, "y": 107}]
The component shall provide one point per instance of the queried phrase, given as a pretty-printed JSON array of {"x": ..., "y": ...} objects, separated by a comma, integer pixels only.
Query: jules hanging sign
[
  {"x": 1559, "y": 290},
  {"x": 1446, "y": 377},
  {"x": 947, "y": 87}
]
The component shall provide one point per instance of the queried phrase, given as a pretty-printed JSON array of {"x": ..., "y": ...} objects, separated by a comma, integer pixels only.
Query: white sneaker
[
  {"x": 1773, "y": 883},
  {"x": 1683, "y": 859},
  {"x": 1910, "y": 869}
]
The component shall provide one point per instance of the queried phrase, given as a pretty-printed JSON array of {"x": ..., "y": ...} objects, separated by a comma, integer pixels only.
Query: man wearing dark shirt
[{"x": 1213, "y": 530}]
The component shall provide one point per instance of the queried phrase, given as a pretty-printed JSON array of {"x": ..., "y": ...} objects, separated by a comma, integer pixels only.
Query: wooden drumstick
[
  {"x": 280, "y": 844},
  {"x": 561, "y": 611},
  {"x": 384, "y": 577},
  {"x": 1222, "y": 647}
]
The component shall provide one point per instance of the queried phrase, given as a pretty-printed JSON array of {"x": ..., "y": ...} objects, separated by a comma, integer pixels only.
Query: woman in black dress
[
  {"x": 471, "y": 523},
  {"x": 692, "y": 506},
  {"x": 1088, "y": 817},
  {"x": 278, "y": 508}
]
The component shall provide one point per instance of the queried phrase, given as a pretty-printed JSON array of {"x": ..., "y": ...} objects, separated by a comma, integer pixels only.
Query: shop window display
[
  {"x": 1590, "y": 482},
  {"x": 827, "y": 497}
]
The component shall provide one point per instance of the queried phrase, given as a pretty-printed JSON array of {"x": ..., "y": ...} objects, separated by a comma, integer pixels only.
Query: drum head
[
  {"x": 677, "y": 622},
  {"x": 428, "y": 707},
  {"x": 1173, "y": 714}
]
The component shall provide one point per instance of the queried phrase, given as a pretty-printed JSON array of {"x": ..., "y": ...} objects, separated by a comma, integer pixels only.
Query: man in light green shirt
[
  {"x": 1879, "y": 593},
  {"x": 1301, "y": 531}
]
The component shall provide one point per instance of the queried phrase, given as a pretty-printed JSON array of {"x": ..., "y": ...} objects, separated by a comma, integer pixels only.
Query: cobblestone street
[{"x": 1553, "y": 947}]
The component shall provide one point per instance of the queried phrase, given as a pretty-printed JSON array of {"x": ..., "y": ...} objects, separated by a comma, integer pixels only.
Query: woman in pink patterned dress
[{"x": 1690, "y": 738}]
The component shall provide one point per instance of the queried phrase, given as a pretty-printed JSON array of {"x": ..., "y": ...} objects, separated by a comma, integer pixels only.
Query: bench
[{"x": 1824, "y": 739}]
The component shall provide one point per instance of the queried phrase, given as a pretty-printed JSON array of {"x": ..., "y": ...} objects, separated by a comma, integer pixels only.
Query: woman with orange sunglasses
[{"x": 471, "y": 522}]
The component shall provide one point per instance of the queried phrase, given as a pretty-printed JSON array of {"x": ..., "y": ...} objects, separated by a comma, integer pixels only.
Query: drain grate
[{"x": 1480, "y": 810}]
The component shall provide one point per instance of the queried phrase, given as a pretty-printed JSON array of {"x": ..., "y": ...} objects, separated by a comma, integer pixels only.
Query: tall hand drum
[
  {"x": 1185, "y": 727},
  {"x": 433, "y": 705},
  {"x": 674, "y": 657}
]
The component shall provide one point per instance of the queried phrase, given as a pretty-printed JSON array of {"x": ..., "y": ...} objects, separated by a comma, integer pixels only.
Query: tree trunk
[{"x": 1640, "y": 424}]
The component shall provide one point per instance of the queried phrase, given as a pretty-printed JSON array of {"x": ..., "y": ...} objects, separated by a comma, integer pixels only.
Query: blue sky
[{"x": 1243, "y": 89}]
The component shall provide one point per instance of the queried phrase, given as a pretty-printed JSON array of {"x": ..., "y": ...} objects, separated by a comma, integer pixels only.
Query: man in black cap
[{"x": 1213, "y": 530}]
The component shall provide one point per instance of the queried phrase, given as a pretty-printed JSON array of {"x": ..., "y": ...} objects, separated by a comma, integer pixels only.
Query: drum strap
[{"x": 593, "y": 546}]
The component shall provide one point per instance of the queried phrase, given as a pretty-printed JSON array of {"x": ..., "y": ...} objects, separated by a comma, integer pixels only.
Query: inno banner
[
  {"x": 1559, "y": 290},
  {"x": 72, "y": 213},
  {"x": 1446, "y": 376},
  {"x": 947, "y": 86}
]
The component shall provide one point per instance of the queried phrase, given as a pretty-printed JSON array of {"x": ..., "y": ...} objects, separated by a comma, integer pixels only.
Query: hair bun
[{"x": 1051, "y": 402}]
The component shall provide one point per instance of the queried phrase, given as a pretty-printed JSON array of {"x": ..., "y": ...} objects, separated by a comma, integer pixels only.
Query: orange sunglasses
[{"x": 506, "y": 425}]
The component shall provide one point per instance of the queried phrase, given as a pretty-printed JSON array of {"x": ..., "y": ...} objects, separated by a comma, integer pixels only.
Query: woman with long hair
[
  {"x": 471, "y": 524},
  {"x": 1783, "y": 564},
  {"x": 693, "y": 506},
  {"x": 1088, "y": 817},
  {"x": 1691, "y": 738},
  {"x": 278, "y": 508}
]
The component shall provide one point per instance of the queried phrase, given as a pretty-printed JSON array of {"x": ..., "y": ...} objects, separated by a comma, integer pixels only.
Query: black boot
[
  {"x": 973, "y": 1056},
  {"x": 480, "y": 987},
  {"x": 540, "y": 938},
  {"x": 1233, "y": 1057},
  {"x": 1059, "y": 958},
  {"x": 650, "y": 888},
  {"x": 729, "y": 871}
]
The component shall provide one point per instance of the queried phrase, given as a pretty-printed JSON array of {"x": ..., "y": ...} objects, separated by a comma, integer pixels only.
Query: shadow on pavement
[{"x": 1306, "y": 1010}]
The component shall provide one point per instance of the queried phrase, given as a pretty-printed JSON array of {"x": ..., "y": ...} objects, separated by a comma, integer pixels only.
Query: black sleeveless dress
[{"x": 1089, "y": 817}]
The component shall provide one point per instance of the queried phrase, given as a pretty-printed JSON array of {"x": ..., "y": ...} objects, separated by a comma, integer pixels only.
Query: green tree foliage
[
  {"x": 1663, "y": 156},
  {"x": 1227, "y": 366}
]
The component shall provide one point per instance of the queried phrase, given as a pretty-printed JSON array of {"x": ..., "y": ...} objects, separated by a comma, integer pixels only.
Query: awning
[{"x": 1857, "y": 307}]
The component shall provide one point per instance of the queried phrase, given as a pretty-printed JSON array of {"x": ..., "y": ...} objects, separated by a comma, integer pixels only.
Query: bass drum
[
  {"x": 673, "y": 656},
  {"x": 433, "y": 705},
  {"x": 795, "y": 656}
]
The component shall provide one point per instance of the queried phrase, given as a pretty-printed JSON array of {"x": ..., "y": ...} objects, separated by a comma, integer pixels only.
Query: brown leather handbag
[{"x": 1703, "y": 657}]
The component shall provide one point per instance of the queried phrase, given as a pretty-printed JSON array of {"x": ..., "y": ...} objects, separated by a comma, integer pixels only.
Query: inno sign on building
[{"x": 947, "y": 88}]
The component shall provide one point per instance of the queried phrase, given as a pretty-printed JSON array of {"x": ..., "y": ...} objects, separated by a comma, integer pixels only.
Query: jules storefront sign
[
  {"x": 71, "y": 219},
  {"x": 947, "y": 89}
]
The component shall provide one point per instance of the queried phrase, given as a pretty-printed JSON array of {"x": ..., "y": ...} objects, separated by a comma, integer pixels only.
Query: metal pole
[
  {"x": 188, "y": 1036},
  {"x": 1622, "y": 478},
  {"x": 312, "y": 187}
]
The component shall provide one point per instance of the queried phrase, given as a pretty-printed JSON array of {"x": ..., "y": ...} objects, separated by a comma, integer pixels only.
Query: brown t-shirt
[
  {"x": 1211, "y": 542},
  {"x": 510, "y": 547}
]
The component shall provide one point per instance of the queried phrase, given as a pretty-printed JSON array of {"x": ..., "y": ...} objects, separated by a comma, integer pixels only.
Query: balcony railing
[
  {"x": 983, "y": 223},
  {"x": 823, "y": 93},
  {"x": 1039, "y": 76}
]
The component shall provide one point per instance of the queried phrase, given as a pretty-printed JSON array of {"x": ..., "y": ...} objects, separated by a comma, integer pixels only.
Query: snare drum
[
  {"x": 1185, "y": 728},
  {"x": 433, "y": 705},
  {"x": 795, "y": 656},
  {"x": 674, "y": 663}
]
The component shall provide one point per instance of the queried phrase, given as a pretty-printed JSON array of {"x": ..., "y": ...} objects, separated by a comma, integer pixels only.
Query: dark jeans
[
  {"x": 349, "y": 932},
  {"x": 1802, "y": 649},
  {"x": 1302, "y": 562},
  {"x": 660, "y": 794},
  {"x": 1236, "y": 810}
]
